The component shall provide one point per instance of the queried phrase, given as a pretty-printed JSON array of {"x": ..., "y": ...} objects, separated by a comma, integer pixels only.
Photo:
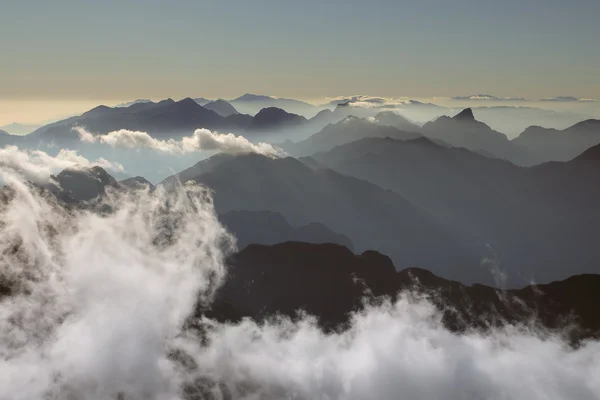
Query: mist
[{"x": 102, "y": 307}]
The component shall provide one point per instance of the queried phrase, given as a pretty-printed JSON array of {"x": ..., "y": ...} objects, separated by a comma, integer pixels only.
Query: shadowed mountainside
[
  {"x": 371, "y": 217},
  {"x": 347, "y": 130},
  {"x": 267, "y": 227},
  {"x": 538, "y": 221},
  {"x": 559, "y": 145},
  {"x": 329, "y": 282}
]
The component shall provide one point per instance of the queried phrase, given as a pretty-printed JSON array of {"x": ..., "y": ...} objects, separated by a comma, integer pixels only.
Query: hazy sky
[{"x": 109, "y": 50}]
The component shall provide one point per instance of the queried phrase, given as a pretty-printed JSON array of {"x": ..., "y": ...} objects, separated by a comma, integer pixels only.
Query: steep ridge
[
  {"x": 371, "y": 217},
  {"x": 463, "y": 130},
  {"x": 221, "y": 107},
  {"x": 330, "y": 282},
  {"x": 267, "y": 227},
  {"x": 273, "y": 118},
  {"x": 559, "y": 145},
  {"x": 167, "y": 118},
  {"x": 391, "y": 118},
  {"x": 536, "y": 221},
  {"x": 348, "y": 130}
]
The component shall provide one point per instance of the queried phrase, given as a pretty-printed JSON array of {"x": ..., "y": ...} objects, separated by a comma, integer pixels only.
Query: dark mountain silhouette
[
  {"x": 536, "y": 220},
  {"x": 329, "y": 282},
  {"x": 325, "y": 280},
  {"x": 252, "y": 104},
  {"x": 348, "y": 130},
  {"x": 164, "y": 119},
  {"x": 221, "y": 107},
  {"x": 273, "y": 118},
  {"x": 372, "y": 218},
  {"x": 465, "y": 115},
  {"x": 81, "y": 184},
  {"x": 559, "y": 145},
  {"x": 591, "y": 154},
  {"x": 267, "y": 227},
  {"x": 137, "y": 182},
  {"x": 512, "y": 120},
  {"x": 463, "y": 130},
  {"x": 242, "y": 121}
]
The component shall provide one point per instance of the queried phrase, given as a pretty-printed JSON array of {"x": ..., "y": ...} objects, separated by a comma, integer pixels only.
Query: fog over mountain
[
  {"x": 120, "y": 270},
  {"x": 19, "y": 129},
  {"x": 189, "y": 249},
  {"x": 299, "y": 200},
  {"x": 252, "y": 104},
  {"x": 221, "y": 107}
]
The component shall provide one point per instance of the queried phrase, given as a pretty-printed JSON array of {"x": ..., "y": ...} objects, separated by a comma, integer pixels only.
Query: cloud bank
[
  {"x": 568, "y": 99},
  {"x": 488, "y": 97},
  {"x": 201, "y": 140},
  {"x": 100, "y": 303},
  {"x": 37, "y": 166}
]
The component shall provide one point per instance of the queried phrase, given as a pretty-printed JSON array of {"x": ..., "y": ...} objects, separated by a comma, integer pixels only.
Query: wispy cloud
[
  {"x": 487, "y": 97},
  {"x": 200, "y": 140},
  {"x": 568, "y": 99},
  {"x": 37, "y": 166},
  {"x": 366, "y": 101}
]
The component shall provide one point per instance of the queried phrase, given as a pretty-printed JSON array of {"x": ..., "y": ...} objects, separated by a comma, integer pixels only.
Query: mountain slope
[
  {"x": 371, "y": 217},
  {"x": 322, "y": 280},
  {"x": 463, "y": 130},
  {"x": 559, "y": 145},
  {"x": 348, "y": 130},
  {"x": 166, "y": 118},
  {"x": 267, "y": 227},
  {"x": 221, "y": 107},
  {"x": 390, "y": 118},
  {"x": 272, "y": 118},
  {"x": 536, "y": 221},
  {"x": 252, "y": 104}
]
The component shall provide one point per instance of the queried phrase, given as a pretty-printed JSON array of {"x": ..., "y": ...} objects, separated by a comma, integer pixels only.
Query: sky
[{"x": 83, "y": 52}]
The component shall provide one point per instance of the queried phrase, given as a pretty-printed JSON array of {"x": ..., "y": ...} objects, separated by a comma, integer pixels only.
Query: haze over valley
[{"x": 196, "y": 202}]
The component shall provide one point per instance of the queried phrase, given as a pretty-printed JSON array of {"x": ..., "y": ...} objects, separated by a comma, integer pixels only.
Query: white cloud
[
  {"x": 370, "y": 101},
  {"x": 200, "y": 140},
  {"x": 37, "y": 166},
  {"x": 103, "y": 306}
]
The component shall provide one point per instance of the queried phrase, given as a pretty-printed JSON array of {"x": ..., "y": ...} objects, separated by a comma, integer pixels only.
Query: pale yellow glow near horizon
[{"x": 43, "y": 111}]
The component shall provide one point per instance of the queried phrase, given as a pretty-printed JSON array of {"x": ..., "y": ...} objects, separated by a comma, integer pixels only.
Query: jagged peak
[{"x": 465, "y": 115}]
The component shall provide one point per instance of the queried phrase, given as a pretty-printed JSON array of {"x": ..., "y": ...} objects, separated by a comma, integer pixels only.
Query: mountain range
[
  {"x": 330, "y": 282},
  {"x": 536, "y": 221},
  {"x": 371, "y": 217},
  {"x": 253, "y": 103},
  {"x": 169, "y": 118}
]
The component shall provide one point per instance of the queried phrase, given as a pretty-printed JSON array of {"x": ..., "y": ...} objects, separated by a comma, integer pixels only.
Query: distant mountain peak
[
  {"x": 221, "y": 107},
  {"x": 253, "y": 97},
  {"x": 465, "y": 115},
  {"x": 136, "y": 101},
  {"x": 187, "y": 100}
]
